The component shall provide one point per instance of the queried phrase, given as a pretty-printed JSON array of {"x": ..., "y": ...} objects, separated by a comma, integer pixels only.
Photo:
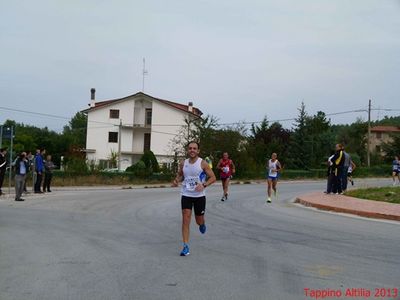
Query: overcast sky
[{"x": 236, "y": 60}]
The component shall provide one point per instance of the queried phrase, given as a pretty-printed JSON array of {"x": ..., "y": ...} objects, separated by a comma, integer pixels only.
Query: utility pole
[
  {"x": 144, "y": 73},
  {"x": 369, "y": 135},
  {"x": 119, "y": 145},
  {"x": 11, "y": 157}
]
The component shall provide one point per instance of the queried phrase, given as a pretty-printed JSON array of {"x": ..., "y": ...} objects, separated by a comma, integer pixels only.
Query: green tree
[
  {"x": 150, "y": 161},
  {"x": 392, "y": 148},
  {"x": 265, "y": 140},
  {"x": 75, "y": 131},
  {"x": 200, "y": 130},
  {"x": 354, "y": 138},
  {"x": 319, "y": 139},
  {"x": 300, "y": 144}
]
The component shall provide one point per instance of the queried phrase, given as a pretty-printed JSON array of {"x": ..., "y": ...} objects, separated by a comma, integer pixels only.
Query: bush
[
  {"x": 76, "y": 164},
  {"x": 146, "y": 166},
  {"x": 139, "y": 170},
  {"x": 150, "y": 162},
  {"x": 374, "y": 171},
  {"x": 356, "y": 159}
]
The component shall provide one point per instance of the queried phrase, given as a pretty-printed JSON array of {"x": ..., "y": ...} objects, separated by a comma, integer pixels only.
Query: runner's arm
[
  {"x": 219, "y": 164},
  {"x": 233, "y": 167}
]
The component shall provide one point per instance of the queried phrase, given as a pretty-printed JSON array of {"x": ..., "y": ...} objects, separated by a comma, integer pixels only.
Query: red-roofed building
[
  {"x": 130, "y": 125},
  {"x": 381, "y": 134}
]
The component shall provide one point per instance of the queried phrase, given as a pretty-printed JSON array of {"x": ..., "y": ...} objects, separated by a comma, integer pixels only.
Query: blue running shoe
[
  {"x": 203, "y": 228},
  {"x": 185, "y": 250}
]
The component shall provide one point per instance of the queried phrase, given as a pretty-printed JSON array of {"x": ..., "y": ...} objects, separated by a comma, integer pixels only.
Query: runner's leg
[
  {"x": 226, "y": 188},
  {"x": 269, "y": 187},
  {"x": 274, "y": 182},
  {"x": 186, "y": 216}
]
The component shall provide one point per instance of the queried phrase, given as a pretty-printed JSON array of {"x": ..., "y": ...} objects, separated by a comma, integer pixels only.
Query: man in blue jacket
[{"x": 39, "y": 168}]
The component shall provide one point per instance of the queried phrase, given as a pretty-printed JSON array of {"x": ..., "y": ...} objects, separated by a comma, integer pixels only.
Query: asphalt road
[{"x": 125, "y": 244}]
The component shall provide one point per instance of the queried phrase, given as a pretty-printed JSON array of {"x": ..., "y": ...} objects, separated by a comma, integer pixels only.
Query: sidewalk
[{"x": 351, "y": 205}]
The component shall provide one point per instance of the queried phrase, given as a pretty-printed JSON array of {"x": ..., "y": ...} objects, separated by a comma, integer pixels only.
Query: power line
[
  {"x": 33, "y": 113},
  {"x": 179, "y": 125}
]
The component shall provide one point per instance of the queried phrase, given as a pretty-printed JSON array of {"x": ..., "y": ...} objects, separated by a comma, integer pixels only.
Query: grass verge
[{"x": 385, "y": 194}]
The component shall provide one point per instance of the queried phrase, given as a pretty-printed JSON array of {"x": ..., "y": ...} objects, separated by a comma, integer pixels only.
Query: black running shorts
[{"x": 199, "y": 204}]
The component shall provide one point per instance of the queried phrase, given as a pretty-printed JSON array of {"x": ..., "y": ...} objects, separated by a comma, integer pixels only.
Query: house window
[
  {"x": 146, "y": 145},
  {"x": 114, "y": 113},
  {"x": 378, "y": 149},
  {"x": 148, "y": 116},
  {"x": 113, "y": 137},
  {"x": 379, "y": 135}
]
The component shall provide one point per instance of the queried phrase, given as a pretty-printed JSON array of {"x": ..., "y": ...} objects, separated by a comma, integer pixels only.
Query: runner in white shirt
[
  {"x": 273, "y": 167},
  {"x": 195, "y": 175}
]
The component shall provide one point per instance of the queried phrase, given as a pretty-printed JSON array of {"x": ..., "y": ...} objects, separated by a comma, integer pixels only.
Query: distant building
[
  {"x": 128, "y": 126},
  {"x": 380, "y": 135}
]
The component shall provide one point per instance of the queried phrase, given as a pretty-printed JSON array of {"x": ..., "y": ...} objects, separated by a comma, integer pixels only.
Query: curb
[{"x": 380, "y": 211}]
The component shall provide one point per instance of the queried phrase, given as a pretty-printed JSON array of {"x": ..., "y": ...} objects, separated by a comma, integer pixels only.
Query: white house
[{"x": 128, "y": 126}]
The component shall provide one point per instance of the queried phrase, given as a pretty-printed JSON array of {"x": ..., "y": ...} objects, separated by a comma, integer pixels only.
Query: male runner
[
  {"x": 226, "y": 169},
  {"x": 273, "y": 167},
  {"x": 192, "y": 173}
]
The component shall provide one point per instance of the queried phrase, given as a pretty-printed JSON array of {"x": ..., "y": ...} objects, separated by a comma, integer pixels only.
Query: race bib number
[
  {"x": 225, "y": 169},
  {"x": 190, "y": 183}
]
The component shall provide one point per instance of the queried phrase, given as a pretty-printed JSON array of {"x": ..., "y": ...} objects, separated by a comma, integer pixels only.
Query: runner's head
[
  {"x": 225, "y": 155},
  {"x": 193, "y": 149},
  {"x": 274, "y": 156}
]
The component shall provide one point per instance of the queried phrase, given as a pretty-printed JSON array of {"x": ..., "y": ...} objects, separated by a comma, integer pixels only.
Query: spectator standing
[
  {"x": 39, "y": 168},
  {"x": 29, "y": 158},
  {"x": 21, "y": 170},
  {"x": 3, "y": 167},
  {"x": 330, "y": 174},
  {"x": 337, "y": 160},
  {"x": 345, "y": 170},
  {"x": 48, "y": 173}
]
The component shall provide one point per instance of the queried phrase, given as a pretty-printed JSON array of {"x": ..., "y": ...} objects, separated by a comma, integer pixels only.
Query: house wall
[
  {"x": 375, "y": 140},
  {"x": 99, "y": 124},
  {"x": 162, "y": 135},
  {"x": 132, "y": 113}
]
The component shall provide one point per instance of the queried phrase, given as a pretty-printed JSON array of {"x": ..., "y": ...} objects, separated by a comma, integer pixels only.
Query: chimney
[
  {"x": 190, "y": 107},
  {"x": 92, "y": 97}
]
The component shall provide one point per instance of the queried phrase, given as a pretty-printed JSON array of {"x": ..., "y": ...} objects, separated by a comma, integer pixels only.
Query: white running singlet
[
  {"x": 271, "y": 167},
  {"x": 192, "y": 174}
]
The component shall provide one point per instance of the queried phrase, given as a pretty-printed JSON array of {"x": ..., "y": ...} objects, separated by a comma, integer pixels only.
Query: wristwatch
[{"x": 204, "y": 185}]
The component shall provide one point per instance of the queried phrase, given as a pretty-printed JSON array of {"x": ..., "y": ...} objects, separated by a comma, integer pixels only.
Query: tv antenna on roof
[{"x": 144, "y": 73}]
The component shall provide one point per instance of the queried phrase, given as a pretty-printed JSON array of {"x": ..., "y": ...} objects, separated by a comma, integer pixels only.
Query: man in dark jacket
[
  {"x": 3, "y": 167},
  {"x": 48, "y": 173},
  {"x": 338, "y": 160}
]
